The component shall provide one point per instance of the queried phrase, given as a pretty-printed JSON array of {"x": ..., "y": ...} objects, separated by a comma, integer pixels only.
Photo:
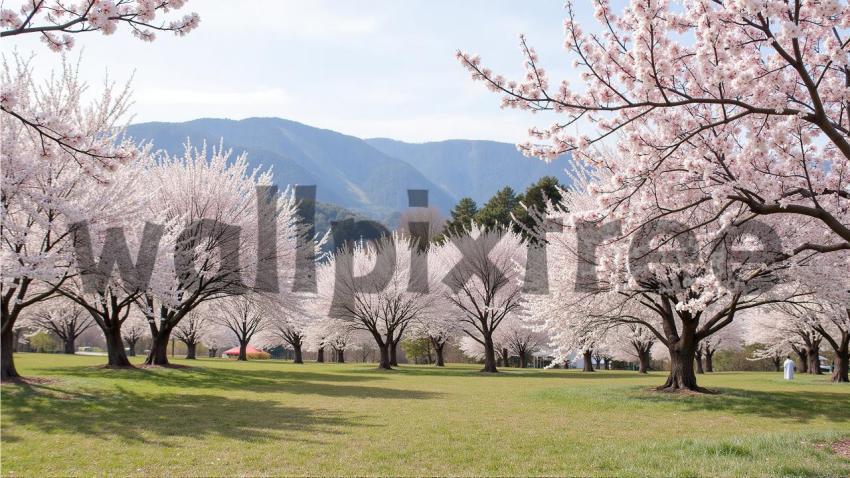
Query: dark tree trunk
[
  {"x": 190, "y": 350},
  {"x": 384, "y": 361},
  {"x": 297, "y": 351},
  {"x": 320, "y": 355},
  {"x": 777, "y": 364},
  {"x": 70, "y": 346},
  {"x": 814, "y": 362},
  {"x": 159, "y": 346},
  {"x": 840, "y": 374},
  {"x": 643, "y": 361},
  {"x": 804, "y": 360},
  {"x": 132, "y": 348},
  {"x": 117, "y": 357},
  {"x": 842, "y": 356},
  {"x": 698, "y": 361},
  {"x": 523, "y": 360},
  {"x": 212, "y": 352},
  {"x": 587, "y": 356},
  {"x": 7, "y": 347},
  {"x": 813, "y": 355},
  {"x": 393, "y": 353},
  {"x": 709, "y": 362},
  {"x": 158, "y": 354},
  {"x": 438, "y": 348},
  {"x": 340, "y": 355},
  {"x": 506, "y": 358},
  {"x": 243, "y": 351},
  {"x": 607, "y": 363},
  {"x": 682, "y": 358},
  {"x": 489, "y": 355}
]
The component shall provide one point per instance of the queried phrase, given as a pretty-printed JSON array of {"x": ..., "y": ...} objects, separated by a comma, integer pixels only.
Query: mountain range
[{"x": 369, "y": 177}]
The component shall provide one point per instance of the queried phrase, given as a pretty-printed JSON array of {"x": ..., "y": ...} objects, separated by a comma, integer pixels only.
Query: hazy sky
[{"x": 367, "y": 68}]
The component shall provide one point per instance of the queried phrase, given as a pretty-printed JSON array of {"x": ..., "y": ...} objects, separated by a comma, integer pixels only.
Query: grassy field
[{"x": 272, "y": 418}]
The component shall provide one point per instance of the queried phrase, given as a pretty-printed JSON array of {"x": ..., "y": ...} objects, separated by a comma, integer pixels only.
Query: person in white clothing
[{"x": 789, "y": 368}]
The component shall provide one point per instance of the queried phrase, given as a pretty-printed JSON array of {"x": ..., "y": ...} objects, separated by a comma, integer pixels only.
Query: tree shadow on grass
[
  {"x": 160, "y": 417},
  {"x": 800, "y": 407},
  {"x": 262, "y": 381}
]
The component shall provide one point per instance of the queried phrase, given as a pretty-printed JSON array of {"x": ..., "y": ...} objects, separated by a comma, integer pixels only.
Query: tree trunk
[
  {"x": 7, "y": 343},
  {"x": 523, "y": 360},
  {"x": 190, "y": 351},
  {"x": 243, "y": 351},
  {"x": 393, "y": 353},
  {"x": 438, "y": 348},
  {"x": 607, "y": 363},
  {"x": 158, "y": 354},
  {"x": 682, "y": 358},
  {"x": 132, "y": 348},
  {"x": 643, "y": 362},
  {"x": 709, "y": 362},
  {"x": 840, "y": 374},
  {"x": 506, "y": 358},
  {"x": 117, "y": 357},
  {"x": 804, "y": 360},
  {"x": 159, "y": 346},
  {"x": 70, "y": 346},
  {"x": 842, "y": 357},
  {"x": 489, "y": 355},
  {"x": 698, "y": 361},
  {"x": 340, "y": 355},
  {"x": 297, "y": 350},
  {"x": 588, "y": 361},
  {"x": 813, "y": 355},
  {"x": 384, "y": 362},
  {"x": 212, "y": 352},
  {"x": 777, "y": 364}
]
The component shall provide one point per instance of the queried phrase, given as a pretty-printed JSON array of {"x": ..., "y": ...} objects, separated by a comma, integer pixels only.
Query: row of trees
[
  {"x": 689, "y": 152},
  {"x": 690, "y": 166}
]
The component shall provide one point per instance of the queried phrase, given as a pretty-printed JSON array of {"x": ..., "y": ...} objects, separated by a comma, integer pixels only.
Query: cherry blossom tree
[
  {"x": 784, "y": 330},
  {"x": 191, "y": 330},
  {"x": 287, "y": 326},
  {"x": 634, "y": 342},
  {"x": 483, "y": 282},
  {"x": 679, "y": 276},
  {"x": 373, "y": 287},
  {"x": 520, "y": 340},
  {"x": 215, "y": 212},
  {"x": 438, "y": 327},
  {"x": 44, "y": 191},
  {"x": 56, "y": 22},
  {"x": 243, "y": 317},
  {"x": 63, "y": 318},
  {"x": 133, "y": 330},
  {"x": 217, "y": 338},
  {"x": 749, "y": 115},
  {"x": 728, "y": 338},
  {"x": 772, "y": 343},
  {"x": 314, "y": 338},
  {"x": 834, "y": 325}
]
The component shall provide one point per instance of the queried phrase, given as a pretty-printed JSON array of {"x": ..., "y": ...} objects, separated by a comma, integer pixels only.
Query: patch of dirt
[
  {"x": 30, "y": 381},
  {"x": 842, "y": 448},
  {"x": 684, "y": 391}
]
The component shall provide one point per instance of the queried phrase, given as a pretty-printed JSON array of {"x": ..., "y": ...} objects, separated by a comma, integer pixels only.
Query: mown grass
[{"x": 272, "y": 418}]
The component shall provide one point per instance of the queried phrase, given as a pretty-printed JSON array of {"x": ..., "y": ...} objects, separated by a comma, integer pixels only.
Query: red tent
[{"x": 235, "y": 351}]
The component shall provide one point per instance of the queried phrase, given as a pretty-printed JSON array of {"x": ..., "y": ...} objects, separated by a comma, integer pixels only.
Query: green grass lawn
[{"x": 273, "y": 418}]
